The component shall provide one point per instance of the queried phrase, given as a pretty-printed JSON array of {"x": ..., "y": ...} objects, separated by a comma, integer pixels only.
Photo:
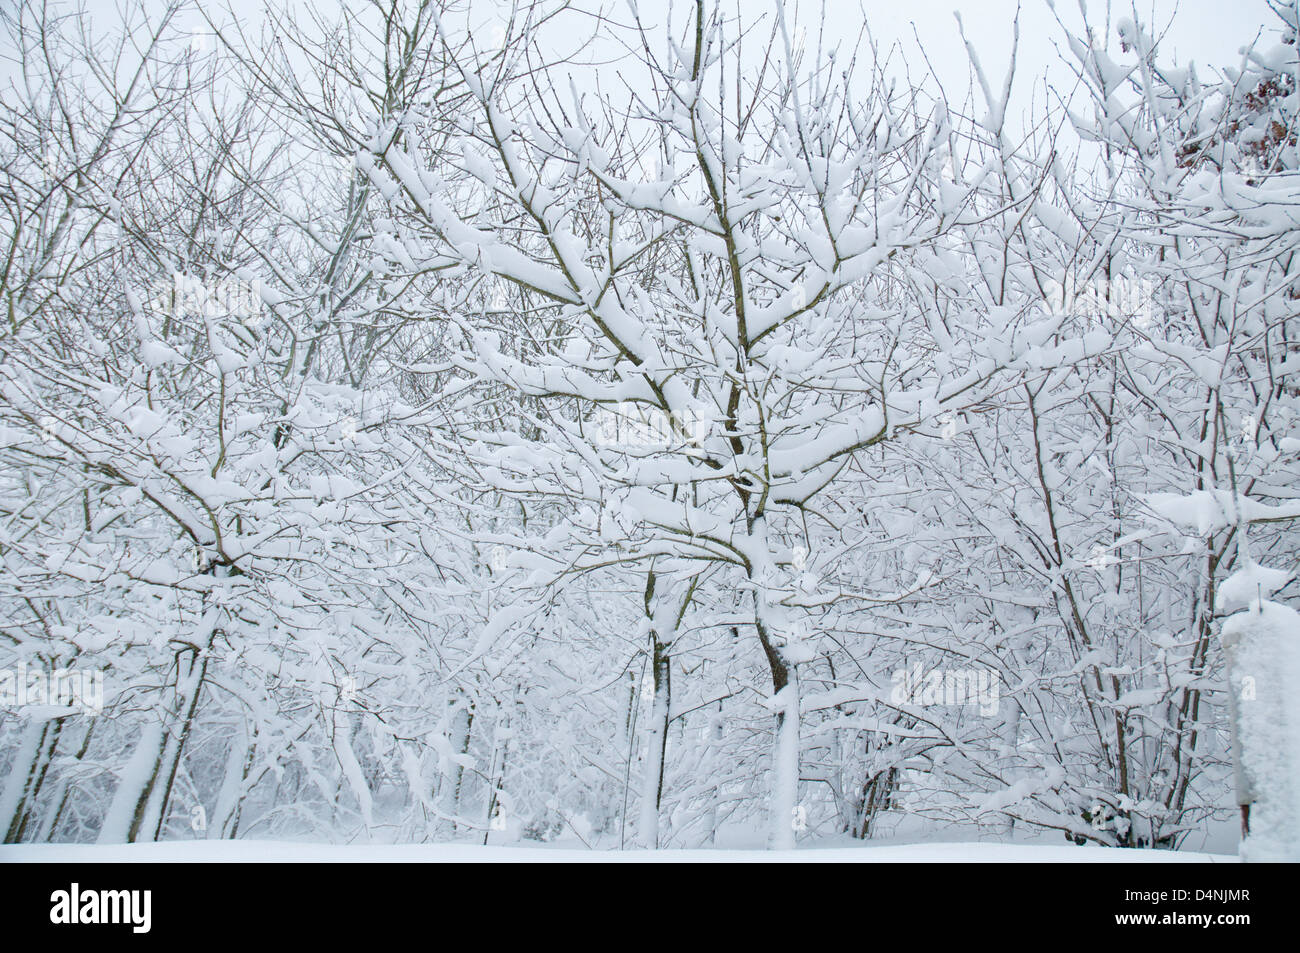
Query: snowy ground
[{"x": 280, "y": 851}]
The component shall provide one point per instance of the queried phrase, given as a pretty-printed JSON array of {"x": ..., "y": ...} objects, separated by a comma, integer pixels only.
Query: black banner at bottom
[{"x": 344, "y": 903}]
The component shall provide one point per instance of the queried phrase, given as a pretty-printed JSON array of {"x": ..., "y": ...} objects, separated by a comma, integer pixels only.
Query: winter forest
[{"x": 648, "y": 425}]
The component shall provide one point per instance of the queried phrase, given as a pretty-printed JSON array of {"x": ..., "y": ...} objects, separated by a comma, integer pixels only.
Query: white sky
[{"x": 1208, "y": 32}]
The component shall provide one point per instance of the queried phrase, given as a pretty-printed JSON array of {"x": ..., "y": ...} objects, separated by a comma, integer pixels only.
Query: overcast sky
[{"x": 1208, "y": 32}]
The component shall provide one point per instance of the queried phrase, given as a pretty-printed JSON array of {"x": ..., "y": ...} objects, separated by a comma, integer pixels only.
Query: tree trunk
[
  {"x": 464, "y": 723},
  {"x": 652, "y": 784},
  {"x": 230, "y": 799},
  {"x": 59, "y": 799},
  {"x": 190, "y": 675},
  {"x": 139, "y": 807},
  {"x": 25, "y": 779},
  {"x": 785, "y": 750},
  {"x": 785, "y": 767},
  {"x": 133, "y": 787}
]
